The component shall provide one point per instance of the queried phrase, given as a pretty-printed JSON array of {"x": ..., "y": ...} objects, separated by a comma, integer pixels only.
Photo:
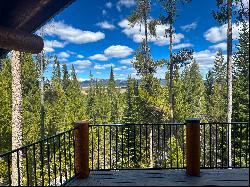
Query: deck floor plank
[{"x": 209, "y": 177}]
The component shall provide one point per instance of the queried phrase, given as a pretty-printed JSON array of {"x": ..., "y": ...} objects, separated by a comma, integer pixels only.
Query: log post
[
  {"x": 193, "y": 146},
  {"x": 82, "y": 149}
]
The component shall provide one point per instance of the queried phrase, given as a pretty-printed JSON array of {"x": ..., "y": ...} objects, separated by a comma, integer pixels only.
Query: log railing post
[
  {"x": 82, "y": 149},
  {"x": 193, "y": 146}
]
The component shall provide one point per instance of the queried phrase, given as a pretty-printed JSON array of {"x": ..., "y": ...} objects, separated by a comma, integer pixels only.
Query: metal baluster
[
  {"x": 34, "y": 158},
  {"x": 60, "y": 158},
  {"x": 110, "y": 143},
  {"x": 128, "y": 145},
  {"x": 27, "y": 166},
  {"x": 177, "y": 154},
  {"x": 210, "y": 144},
  {"x": 134, "y": 145},
  {"x": 140, "y": 145},
  {"x": 222, "y": 142},
  {"x": 158, "y": 151},
  {"x": 216, "y": 143},
  {"x": 41, "y": 158},
  {"x": 54, "y": 159},
  {"x": 240, "y": 143},
  {"x": 170, "y": 133},
  {"x": 98, "y": 148},
  {"x": 9, "y": 173},
  {"x": 92, "y": 147},
  {"x": 18, "y": 170},
  {"x": 104, "y": 146},
  {"x": 65, "y": 156},
  {"x": 146, "y": 143},
  {"x": 48, "y": 157},
  {"x": 204, "y": 145},
  {"x": 122, "y": 145},
  {"x": 116, "y": 145},
  {"x": 70, "y": 166}
]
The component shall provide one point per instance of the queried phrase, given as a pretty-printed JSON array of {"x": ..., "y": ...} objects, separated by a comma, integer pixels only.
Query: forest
[{"x": 186, "y": 94}]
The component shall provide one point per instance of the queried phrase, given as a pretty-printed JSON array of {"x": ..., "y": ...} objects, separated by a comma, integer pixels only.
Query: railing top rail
[
  {"x": 127, "y": 124},
  {"x": 37, "y": 142},
  {"x": 205, "y": 123}
]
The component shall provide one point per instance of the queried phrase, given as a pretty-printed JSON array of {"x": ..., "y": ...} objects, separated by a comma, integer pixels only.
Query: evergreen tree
[{"x": 241, "y": 77}]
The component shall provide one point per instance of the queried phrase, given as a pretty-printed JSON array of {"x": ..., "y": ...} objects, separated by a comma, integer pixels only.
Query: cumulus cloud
[
  {"x": 80, "y": 56},
  {"x": 182, "y": 45},
  {"x": 222, "y": 46},
  {"x": 106, "y": 25},
  {"x": 63, "y": 55},
  {"x": 205, "y": 59},
  {"x": 49, "y": 45},
  {"x": 99, "y": 57},
  {"x": 126, "y": 61},
  {"x": 82, "y": 64},
  {"x": 218, "y": 34},
  {"x": 120, "y": 68},
  {"x": 118, "y": 51},
  {"x": 103, "y": 66},
  {"x": 125, "y": 3},
  {"x": 136, "y": 34},
  {"x": 189, "y": 27},
  {"x": 71, "y": 34}
]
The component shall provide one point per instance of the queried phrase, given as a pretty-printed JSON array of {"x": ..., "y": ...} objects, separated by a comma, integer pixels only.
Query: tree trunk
[
  {"x": 229, "y": 77},
  {"x": 16, "y": 118},
  {"x": 42, "y": 97},
  {"x": 171, "y": 84}
]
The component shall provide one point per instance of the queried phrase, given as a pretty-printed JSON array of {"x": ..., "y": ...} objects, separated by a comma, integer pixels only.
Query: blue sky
[{"x": 95, "y": 35}]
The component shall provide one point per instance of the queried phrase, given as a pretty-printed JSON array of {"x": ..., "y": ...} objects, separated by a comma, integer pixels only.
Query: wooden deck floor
[{"x": 209, "y": 177}]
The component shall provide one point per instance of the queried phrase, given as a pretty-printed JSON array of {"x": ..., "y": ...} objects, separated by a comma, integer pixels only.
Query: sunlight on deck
[{"x": 215, "y": 177}]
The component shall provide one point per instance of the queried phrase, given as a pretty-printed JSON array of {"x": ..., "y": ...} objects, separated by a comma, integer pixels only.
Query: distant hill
[{"x": 119, "y": 83}]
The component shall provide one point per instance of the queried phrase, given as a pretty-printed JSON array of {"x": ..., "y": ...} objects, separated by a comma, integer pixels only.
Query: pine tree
[
  {"x": 65, "y": 79},
  {"x": 180, "y": 58},
  {"x": 194, "y": 94},
  {"x": 241, "y": 77}
]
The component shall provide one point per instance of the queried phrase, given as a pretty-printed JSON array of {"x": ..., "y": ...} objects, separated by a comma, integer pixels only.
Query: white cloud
[
  {"x": 125, "y": 3},
  {"x": 109, "y": 4},
  {"x": 120, "y": 68},
  {"x": 49, "y": 45},
  {"x": 118, "y": 51},
  {"x": 136, "y": 33},
  {"x": 99, "y": 57},
  {"x": 71, "y": 34},
  {"x": 222, "y": 46},
  {"x": 126, "y": 61},
  {"x": 104, "y": 12},
  {"x": 218, "y": 34},
  {"x": 103, "y": 66},
  {"x": 80, "y": 56},
  {"x": 182, "y": 45},
  {"x": 106, "y": 25},
  {"x": 82, "y": 64},
  {"x": 189, "y": 27},
  {"x": 63, "y": 55},
  {"x": 205, "y": 59}
]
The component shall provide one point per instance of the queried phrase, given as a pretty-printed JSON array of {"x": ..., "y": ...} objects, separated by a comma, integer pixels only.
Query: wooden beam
[{"x": 13, "y": 39}]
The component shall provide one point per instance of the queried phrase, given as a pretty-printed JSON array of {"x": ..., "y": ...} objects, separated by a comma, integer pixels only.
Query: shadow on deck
[{"x": 208, "y": 177}]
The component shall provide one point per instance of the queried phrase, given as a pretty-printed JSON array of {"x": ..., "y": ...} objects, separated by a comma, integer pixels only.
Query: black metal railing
[
  {"x": 137, "y": 146},
  {"x": 162, "y": 146},
  {"x": 125, "y": 146},
  {"x": 49, "y": 162},
  {"x": 215, "y": 145}
]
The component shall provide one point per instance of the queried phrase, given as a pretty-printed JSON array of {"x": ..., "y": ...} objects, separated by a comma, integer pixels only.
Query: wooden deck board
[{"x": 214, "y": 177}]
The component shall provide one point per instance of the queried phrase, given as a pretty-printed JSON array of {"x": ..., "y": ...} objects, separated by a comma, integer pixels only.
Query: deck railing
[
  {"x": 125, "y": 146},
  {"x": 162, "y": 146},
  {"x": 49, "y": 162}
]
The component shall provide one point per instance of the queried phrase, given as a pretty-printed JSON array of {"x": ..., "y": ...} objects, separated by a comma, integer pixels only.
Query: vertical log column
[
  {"x": 193, "y": 146},
  {"x": 82, "y": 149}
]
